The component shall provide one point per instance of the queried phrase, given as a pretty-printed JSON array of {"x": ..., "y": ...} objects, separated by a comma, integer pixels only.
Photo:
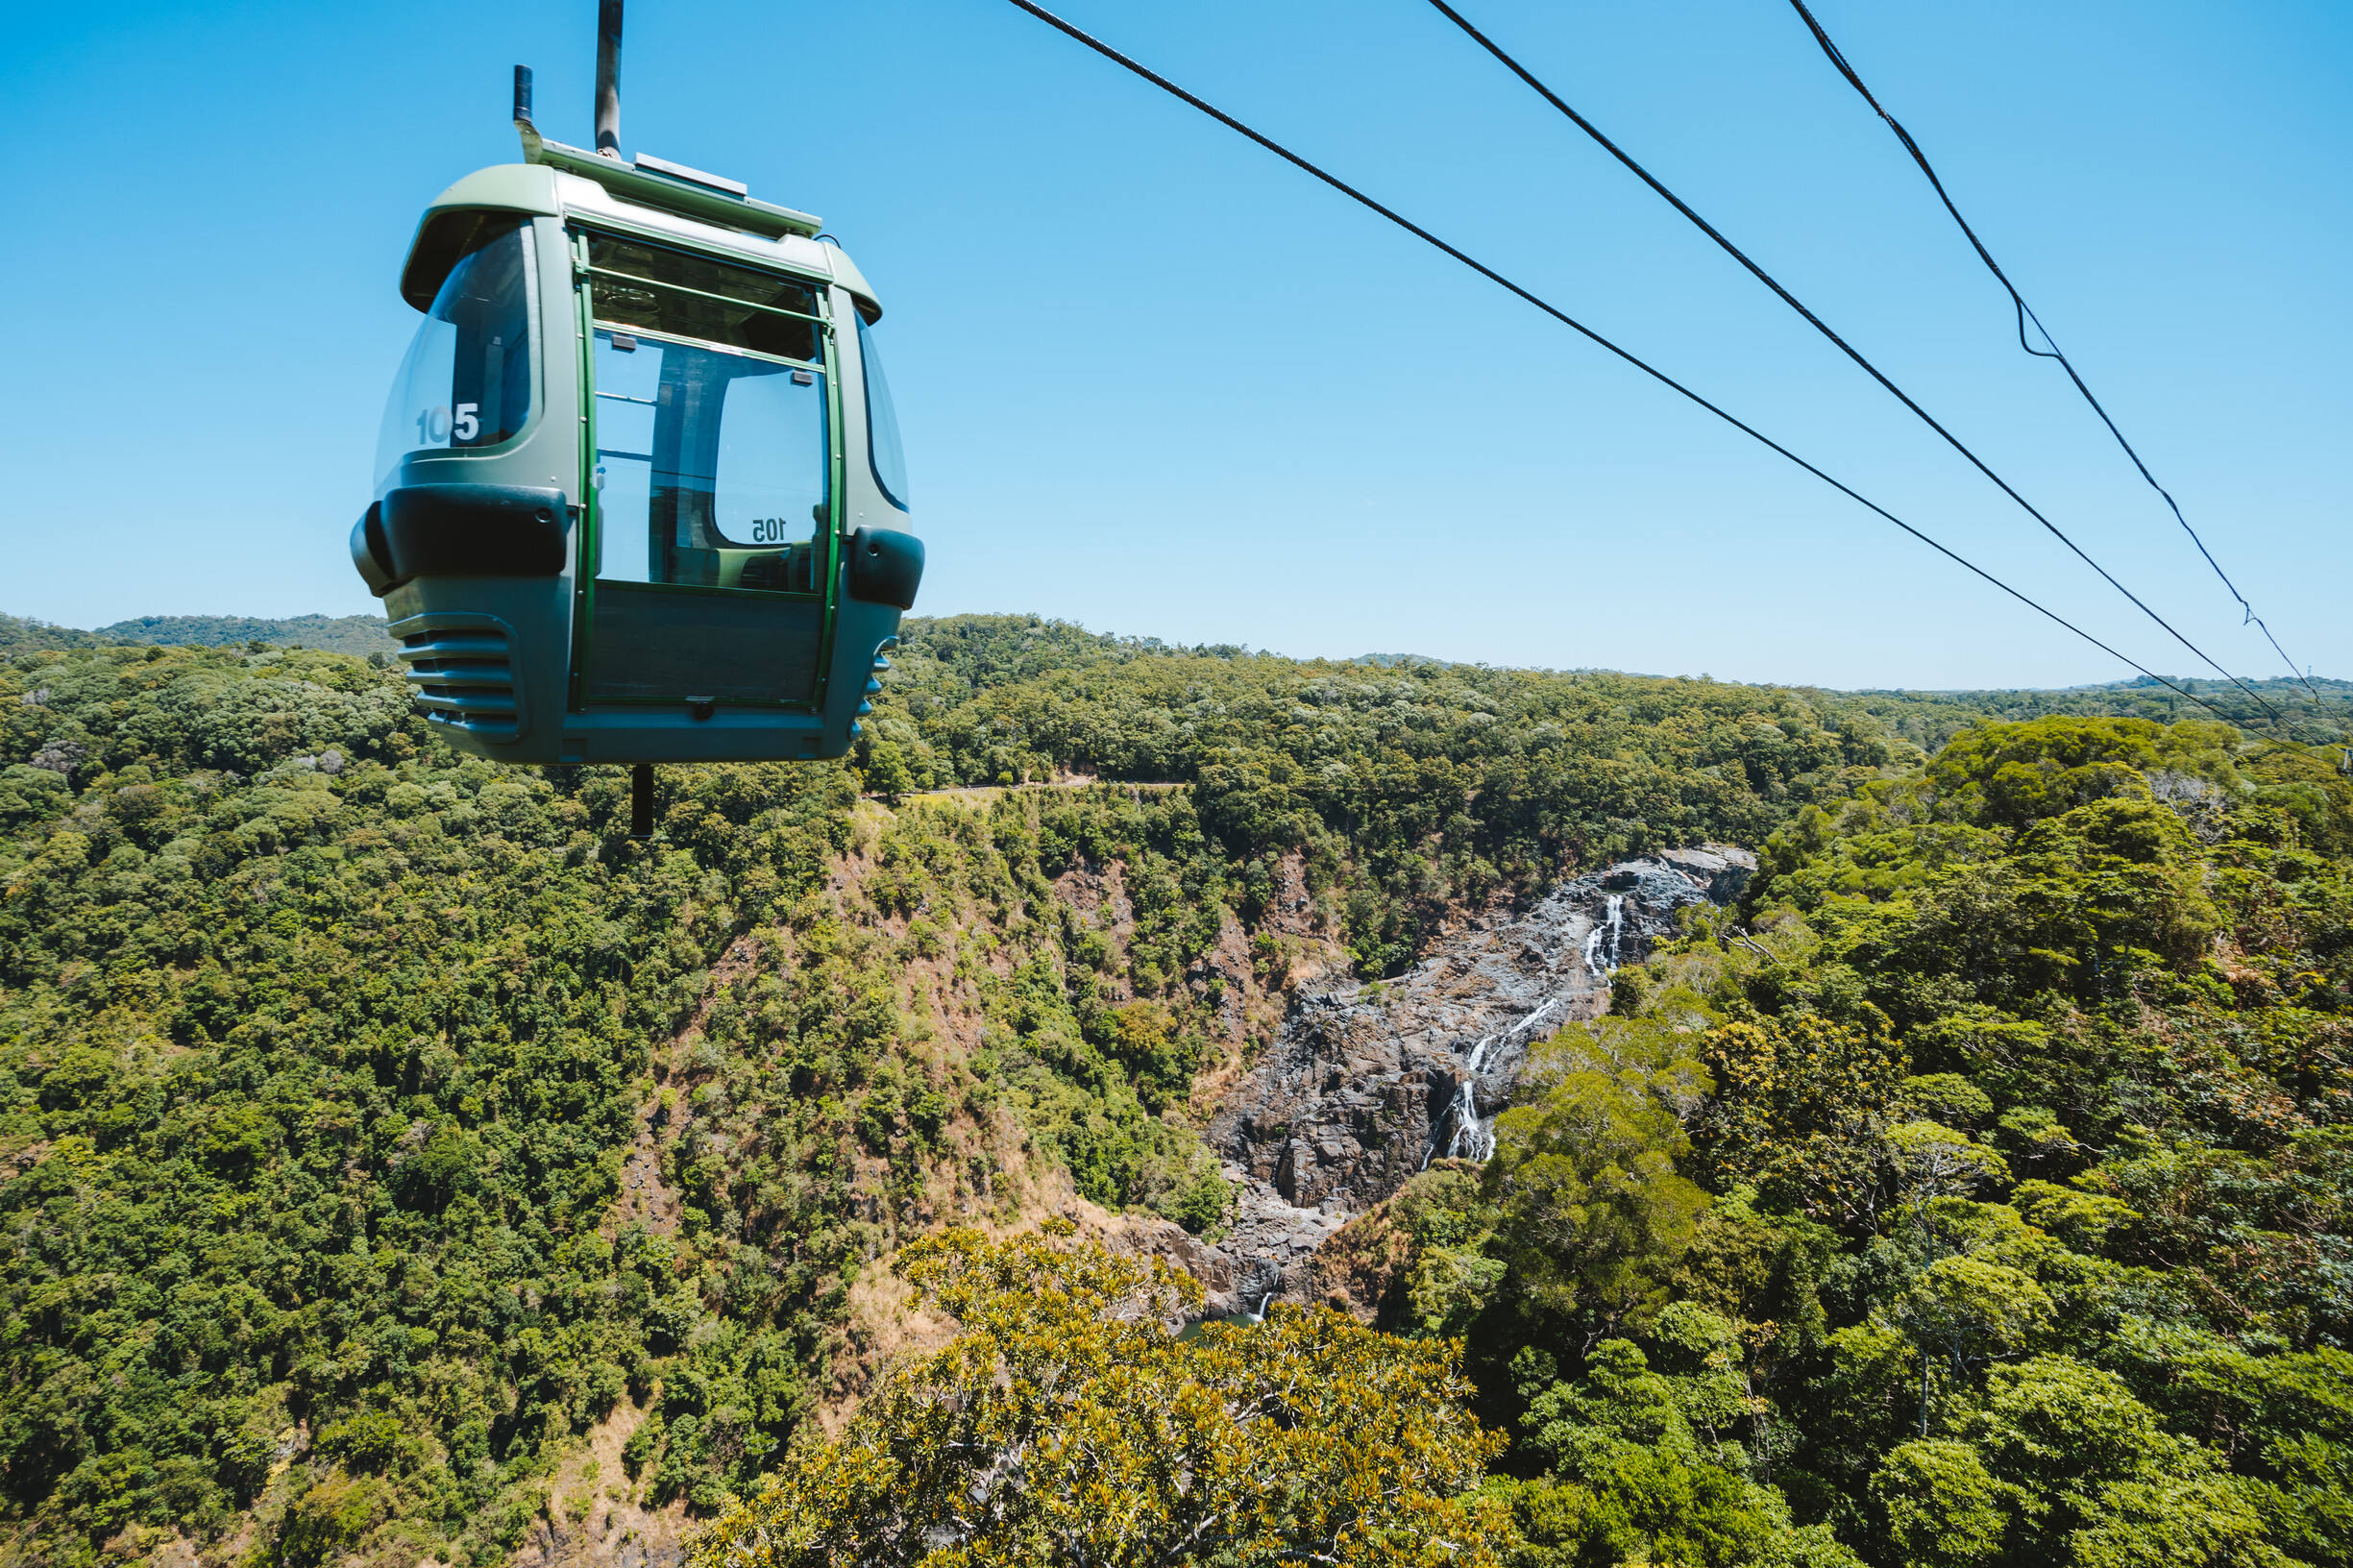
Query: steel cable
[
  {"x": 1824, "y": 328},
  {"x": 1350, "y": 191},
  {"x": 2025, "y": 314}
]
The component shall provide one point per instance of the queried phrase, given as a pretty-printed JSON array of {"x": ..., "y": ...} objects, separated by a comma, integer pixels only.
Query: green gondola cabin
[{"x": 639, "y": 489}]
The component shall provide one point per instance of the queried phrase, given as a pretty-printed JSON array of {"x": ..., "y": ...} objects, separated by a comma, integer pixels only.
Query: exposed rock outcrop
[{"x": 1366, "y": 1084}]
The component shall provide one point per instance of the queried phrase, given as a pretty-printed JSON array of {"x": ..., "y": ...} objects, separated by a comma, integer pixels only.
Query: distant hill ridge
[
  {"x": 359, "y": 634},
  {"x": 1001, "y": 648}
]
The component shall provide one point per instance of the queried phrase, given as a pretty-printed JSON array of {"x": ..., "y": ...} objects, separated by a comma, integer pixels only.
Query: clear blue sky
[{"x": 1156, "y": 382}]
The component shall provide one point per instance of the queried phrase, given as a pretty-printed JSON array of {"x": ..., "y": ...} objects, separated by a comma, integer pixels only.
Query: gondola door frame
[{"x": 831, "y": 299}]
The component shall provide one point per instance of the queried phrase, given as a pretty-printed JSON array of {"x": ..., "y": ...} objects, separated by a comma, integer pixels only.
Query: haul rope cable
[
  {"x": 2025, "y": 314},
  {"x": 1819, "y": 325},
  {"x": 1565, "y": 319}
]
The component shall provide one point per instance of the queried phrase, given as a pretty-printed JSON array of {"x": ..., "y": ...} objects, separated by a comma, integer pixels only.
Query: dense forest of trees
[
  {"x": 1987, "y": 1199},
  {"x": 1976, "y": 1194},
  {"x": 1420, "y": 785}
]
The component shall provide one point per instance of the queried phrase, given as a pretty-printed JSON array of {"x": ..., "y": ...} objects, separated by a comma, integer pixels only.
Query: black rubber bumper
[
  {"x": 460, "y": 530},
  {"x": 886, "y": 567}
]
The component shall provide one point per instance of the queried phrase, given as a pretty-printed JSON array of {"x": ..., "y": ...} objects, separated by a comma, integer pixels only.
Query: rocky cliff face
[{"x": 1368, "y": 1083}]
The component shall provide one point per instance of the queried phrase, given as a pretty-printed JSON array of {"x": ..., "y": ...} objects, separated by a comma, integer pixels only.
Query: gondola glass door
[{"x": 710, "y": 453}]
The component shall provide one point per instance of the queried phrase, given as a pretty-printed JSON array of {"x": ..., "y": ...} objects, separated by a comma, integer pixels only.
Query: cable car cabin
[{"x": 639, "y": 491}]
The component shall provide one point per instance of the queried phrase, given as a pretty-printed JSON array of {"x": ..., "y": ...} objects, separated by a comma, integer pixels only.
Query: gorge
[{"x": 1367, "y": 1082}]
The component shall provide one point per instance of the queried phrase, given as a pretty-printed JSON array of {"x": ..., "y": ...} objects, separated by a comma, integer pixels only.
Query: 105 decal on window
[{"x": 436, "y": 425}]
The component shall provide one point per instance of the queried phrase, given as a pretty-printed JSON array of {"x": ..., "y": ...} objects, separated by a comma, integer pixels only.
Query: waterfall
[
  {"x": 1601, "y": 941},
  {"x": 1471, "y": 1139}
]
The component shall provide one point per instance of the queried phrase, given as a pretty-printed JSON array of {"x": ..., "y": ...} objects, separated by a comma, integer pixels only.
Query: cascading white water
[
  {"x": 1601, "y": 941},
  {"x": 1470, "y": 1138}
]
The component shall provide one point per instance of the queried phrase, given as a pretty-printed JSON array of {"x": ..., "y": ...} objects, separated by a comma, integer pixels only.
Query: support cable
[
  {"x": 2025, "y": 314},
  {"x": 1661, "y": 377},
  {"x": 1847, "y": 349}
]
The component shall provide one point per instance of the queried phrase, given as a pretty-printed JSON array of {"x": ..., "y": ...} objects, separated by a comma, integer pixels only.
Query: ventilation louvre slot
[
  {"x": 464, "y": 678},
  {"x": 874, "y": 684}
]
